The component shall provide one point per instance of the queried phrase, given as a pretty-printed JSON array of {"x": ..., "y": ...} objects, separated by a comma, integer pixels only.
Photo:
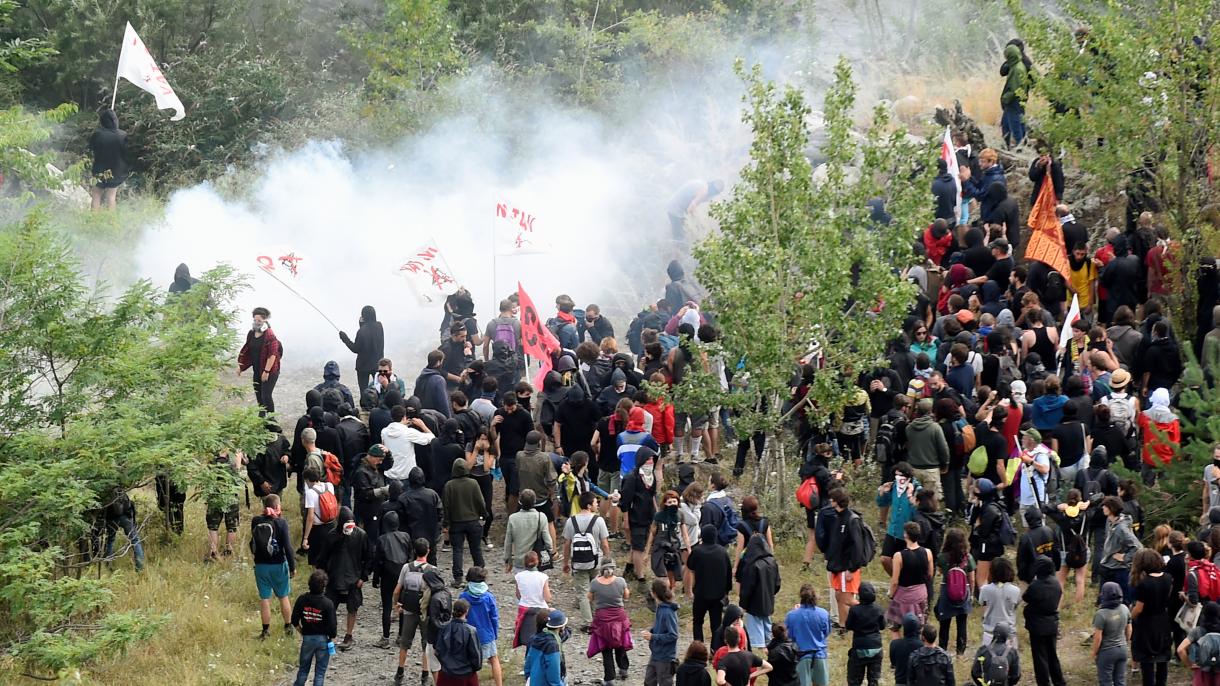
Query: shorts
[
  {"x": 508, "y": 468},
  {"x": 758, "y": 629},
  {"x": 230, "y": 517},
  {"x": 845, "y": 582},
  {"x": 272, "y": 580},
  {"x": 488, "y": 650},
  {"x": 408, "y": 625},
  {"x": 811, "y": 519},
  {"x": 713, "y": 418},
  {"x": 639, "y": 539},
  {"x": 891, "y": 546},
  {"x": 546, "y": 509},
  {"x": 814, "y": 670},
  {"x": 992, "y": 553},
  {"x": 352, "y": 597},
  {"x": 610, "y": 480},
  {"x": 108, "y": 181},
  {"x": 430, "y": 655},
  {"x": 697, "y": 422}
]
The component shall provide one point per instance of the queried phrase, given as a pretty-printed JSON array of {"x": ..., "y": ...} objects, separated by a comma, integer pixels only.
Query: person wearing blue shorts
[{"x": 274, "y": 562}]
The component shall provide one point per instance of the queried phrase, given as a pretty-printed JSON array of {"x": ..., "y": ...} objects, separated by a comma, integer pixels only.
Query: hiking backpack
[
  {"x": 727, "y": 532},
  {"x": 564, "y": 332},
  {"x": 505, "y": 334},
  {"x": 584, "y": 547},
  {"x": 884, "y": 446},
  {"x": 1075, "y": 546},
  {"x": 411, "y": 595},
  {"x": 1208, "y": 578},
  {"x": 993, "y": 666},
  {"x": 334, "y": 468},
  {"x": 328, "y": 506},
  {"x": 263, "y": 543},
  {"x": 868, "y": 547},
  {"x": 1205, "y": 653},
  {"x": 807, "y": 494},
  {"x": 957, "y": 584},
  {"x": 1007, "y": 534}
]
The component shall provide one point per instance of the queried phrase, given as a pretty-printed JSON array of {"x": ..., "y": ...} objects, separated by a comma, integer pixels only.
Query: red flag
[
  {"x": 1046, "y": 234},
  {"x": 536, "y": 340}
]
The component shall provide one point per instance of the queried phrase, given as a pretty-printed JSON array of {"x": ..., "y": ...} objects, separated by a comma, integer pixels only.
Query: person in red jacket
[
  {"x": 1162, "y": 432},
  {"x": 262, "y": 351},
  {"x": 662, "y": 417}
]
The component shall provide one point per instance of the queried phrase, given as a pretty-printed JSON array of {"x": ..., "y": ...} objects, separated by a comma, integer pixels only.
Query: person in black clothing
[
  {"x": 575, "y": 422},
  {"x": 381, "y": 417},
  {"x": 511, "y": 424},
  {"x": 370, "y": 491},
  {"x": 866, "y": 622},
  {"x": 977, "y": 256},
  {"x": 274, "y": 562},
  {"x": 369, "y": 346},
  {"x": 1120, "y": 278},
  {"x": 314, "y": 616},
  {"x": 421, "y": 508},
  {"x": 347, "y": 559},
  {"x": 182, "y": 279},
  {"x": 268, "y": 471},
  {"x": 901, "y": 649},
  {"x": 1042, "y": 621},
  {"x": 944, "y": 190},
  {"x": 985, "y": 533},
  {"x": 1038, "y": 540},
  {"x": 1004, "y": 212},
  {"x": 708, "y": 579},
  {"x": 693, "y": 670},
  {"x": 353, "y": 435},
  {"x": 1038, "y": 173},
  {"x": 110, "y": 168},
  {"x": 1160, "y": 363},
  {"x": 393, "y": 550}
]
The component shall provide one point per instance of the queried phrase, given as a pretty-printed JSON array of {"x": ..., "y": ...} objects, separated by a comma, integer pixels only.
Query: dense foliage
[{"x": 97, "y": 396}]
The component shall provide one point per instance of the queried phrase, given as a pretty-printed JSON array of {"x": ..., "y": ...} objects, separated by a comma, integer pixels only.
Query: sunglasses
[{"x": 921, "y": 333}]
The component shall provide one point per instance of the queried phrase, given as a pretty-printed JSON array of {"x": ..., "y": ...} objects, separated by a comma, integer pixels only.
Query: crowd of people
[{"x": 1013, "y": 446}]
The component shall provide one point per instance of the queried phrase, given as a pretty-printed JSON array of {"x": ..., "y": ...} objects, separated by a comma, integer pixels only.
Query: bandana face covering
[{"x": 348, "y": 528}]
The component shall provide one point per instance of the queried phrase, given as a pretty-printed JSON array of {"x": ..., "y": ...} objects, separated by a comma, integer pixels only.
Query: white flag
[
  {"x": 428, "y": 273},
  {"x": 1073, "y": 316},
  {"x": 136, "y": 64},
  {"x": 516, "y": 233},
  {"x": 949, "y": 155}
]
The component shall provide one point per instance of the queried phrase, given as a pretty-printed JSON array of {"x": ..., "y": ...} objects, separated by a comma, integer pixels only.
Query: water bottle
[{"x": 330, "y": 647}]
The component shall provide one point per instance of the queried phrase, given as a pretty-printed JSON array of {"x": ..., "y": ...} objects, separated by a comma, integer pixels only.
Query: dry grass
[{"x": 980, "y": 95}]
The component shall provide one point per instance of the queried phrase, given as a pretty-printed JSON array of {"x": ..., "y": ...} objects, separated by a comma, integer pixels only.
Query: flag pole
[
  {"x": 494, "y": 263},
  {"x": 114, "y": 93}
]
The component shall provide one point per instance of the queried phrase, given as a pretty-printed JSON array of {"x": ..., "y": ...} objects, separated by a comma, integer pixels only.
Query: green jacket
[
  {"x": 1016, "y": 88},
  {"x": 463, "y": 499}
]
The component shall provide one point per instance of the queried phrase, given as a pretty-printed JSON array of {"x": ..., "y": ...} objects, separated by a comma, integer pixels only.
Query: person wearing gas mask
[
  {"x": 347, "y": 559},
  {"x": 263, "y": 352}
]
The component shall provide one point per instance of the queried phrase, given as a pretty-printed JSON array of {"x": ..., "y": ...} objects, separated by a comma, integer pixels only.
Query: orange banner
[{"x": 1046, "y": 234}]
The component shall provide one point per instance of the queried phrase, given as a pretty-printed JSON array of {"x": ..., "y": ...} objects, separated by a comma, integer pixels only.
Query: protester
[
  {"x": 464, "y": 508},
  {"x": 120, "y": 513},
  {"x": 409, "y": 605},
  {"x": 739, "y": 667},
  {"x": 347, "y": 559},
  {"x": 865, "y": 621},
  {"x": 1000, "y": 598},
  {"x": 666, "y": 541},
  {"x": 758, "y": 579},
  {"x": 522, "y": 533},
  {"x": 957, "y": 588},
  {"x": 262, "y": 351},
  {"x": 662, "y": 637},
  {"x": 996, "y": 663},
  {"x": 544, "y": 657},
  {"x": 901, "y": 649},
  {"x": 108, "y": 143},
  {"x": 611, "y": 634},
  {"x": 485, "y": 617},
  {"x": 587, "y": 545},
  {"x": 274, "y": 562},
  {"x": 313, "y": 615},
  {"x": 909, "y": 580},
  {"x": 1042, "y": 622},
  {"x": 457, "y": 646}
]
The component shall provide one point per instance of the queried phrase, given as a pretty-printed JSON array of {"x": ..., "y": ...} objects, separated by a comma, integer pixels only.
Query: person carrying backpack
[
  {"x": 996, "y": 663},
  {"x": 851, "y": 547},
  {"x": 991, "y": 528},
  {"x": 321, "y": 506},
  {"x": 391, "y": 552},
  {"x": 274, "y": 562},
  {"x": 1202, "y": 576},
  {"x": 437, "y": 605},
  {"x": 587, "y": 544},
  {"x": 719, "y": 511},
  {"x": 930, "y": 665},
  {"x": 956, "y": 593},
  {"x": 1038, "y": 539},
  {"x": 409, "y": 594},
  {"x": 1201, "y": 648}
]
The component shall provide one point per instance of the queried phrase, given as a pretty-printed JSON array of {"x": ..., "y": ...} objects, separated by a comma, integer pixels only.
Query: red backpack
[
  {"x": 328, "y": 506},
  {"x": 334, "y": 470},
  {"x": 957, "y": 584},
  {"x": 1208, "y": 578},
  {"x": 807, "y": 494}
]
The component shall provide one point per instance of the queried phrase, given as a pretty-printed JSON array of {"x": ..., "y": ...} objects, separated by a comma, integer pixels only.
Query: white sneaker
[{"x": 490, "y": 546}]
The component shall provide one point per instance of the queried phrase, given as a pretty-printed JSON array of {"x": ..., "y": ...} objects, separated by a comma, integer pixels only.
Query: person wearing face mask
[
  {"x": 986, "y": 514},
  {"x": 639, "y": 502},
  {"x": 262, "y": 351},
  {"x": 666, "y": 539},
  {"x": 898, "y": 496},
  {"x": 484, "y": 616},
  {"x": 347, "y": 559}
]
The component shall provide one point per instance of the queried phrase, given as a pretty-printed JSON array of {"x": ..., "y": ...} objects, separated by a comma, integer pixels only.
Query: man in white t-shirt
[
  {"x": 315, "y": 485},
  {"x": 400, "y": 438},
  {"x": 589, "y": 524}
]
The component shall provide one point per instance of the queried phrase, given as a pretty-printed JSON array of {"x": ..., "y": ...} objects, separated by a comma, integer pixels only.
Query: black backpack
[
  {"x": 1092, "y": 493},
  {"x": 993, "y": 666},
  {"x": 264, "y": 544},
  {"x": 884, "y": 447},
  {"x": 413, "y": 587},
  {"x": 1056, "y": 288},
  {"x": 584, "y": 546}
]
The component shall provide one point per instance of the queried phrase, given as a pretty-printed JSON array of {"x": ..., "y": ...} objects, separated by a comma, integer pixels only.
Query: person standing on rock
[
  {"x": 262, "y": 351},
  {"x": 369, "y": 346},
  {"x": 110, "y": 167}
]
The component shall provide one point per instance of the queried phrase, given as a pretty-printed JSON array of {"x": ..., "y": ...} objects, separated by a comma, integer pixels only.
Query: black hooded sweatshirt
[
  {"x": 393, "y": 550},
  {"x": 1042, "y": 599},
  {"x": 866, "y": 621},
  {"x": 109, "y": 147},
  {"x": 639, "y": 501},
  {"x": 182, "y": 279},
  {"x": 266, "y": 466},
  {"x": 422, "y": 507},
  {"x": 711, "y": 565},
  {"x": 693, "y": 673},
  {"x": 346, "y": 558},
  {"x": 758, "y": 574},
  {"x": 369, "y": 345},
  {"x": 1038, "y": 540}
]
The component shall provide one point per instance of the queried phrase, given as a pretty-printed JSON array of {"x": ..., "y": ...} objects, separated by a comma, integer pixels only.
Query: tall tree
[{"x": 801, "y": 263}]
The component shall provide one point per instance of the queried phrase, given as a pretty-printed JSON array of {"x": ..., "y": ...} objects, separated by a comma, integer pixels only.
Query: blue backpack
[{"x": 727, "y": 533}]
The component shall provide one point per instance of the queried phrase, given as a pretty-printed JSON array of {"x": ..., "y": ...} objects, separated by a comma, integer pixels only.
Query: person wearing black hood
[
  {"x": 1038, "y": 540},
  {"x": 369, "y": 345},
  {"x": 353, "y": 435},
  {"x": 946, "y": 193},
  {"x": 1121, "y": 276},
  {"x": 977, "y": 257},
  {"x": 866, "y": 621},
  {"x": 330, "y": 379},
  {"x": 393, "y": 550},
  {"x": 370, "y": 490},
  {"x": 1043, "y": 168},
  {"x": 1042, "y": 622},
  {"x": 679, "y": 290},
  {"x": 639, "y": 502},
  {"x": 431, "y": 386},
  {"x": 268, "y": 471},
  {"x": 616, "y": 390},
  {"x": 182, "y": 279},
  {"x": 1003, "y": 210},
  {"x": 110, "y": 168},
  {"x": 347, "y": 559},
  {"x": 901, "y": 649},
  {"x": 575, "y": 422},
  {"x": 464, "y": 507},
  {"x": 709, "y": 579},
  {"x": 759, "y": 581},
  {"x": 422, "y": 509},
  {"x": 930, "y": 664}
]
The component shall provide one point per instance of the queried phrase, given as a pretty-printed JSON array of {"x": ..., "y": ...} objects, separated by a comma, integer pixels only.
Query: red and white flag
[
  {"x": 136, "y": 64},
  {"x": 1065, "y": 334},
  {"x": 516, "y": 232},
  {"x": 949, "y": 155},
  {"x": 428, "y": 273}
]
